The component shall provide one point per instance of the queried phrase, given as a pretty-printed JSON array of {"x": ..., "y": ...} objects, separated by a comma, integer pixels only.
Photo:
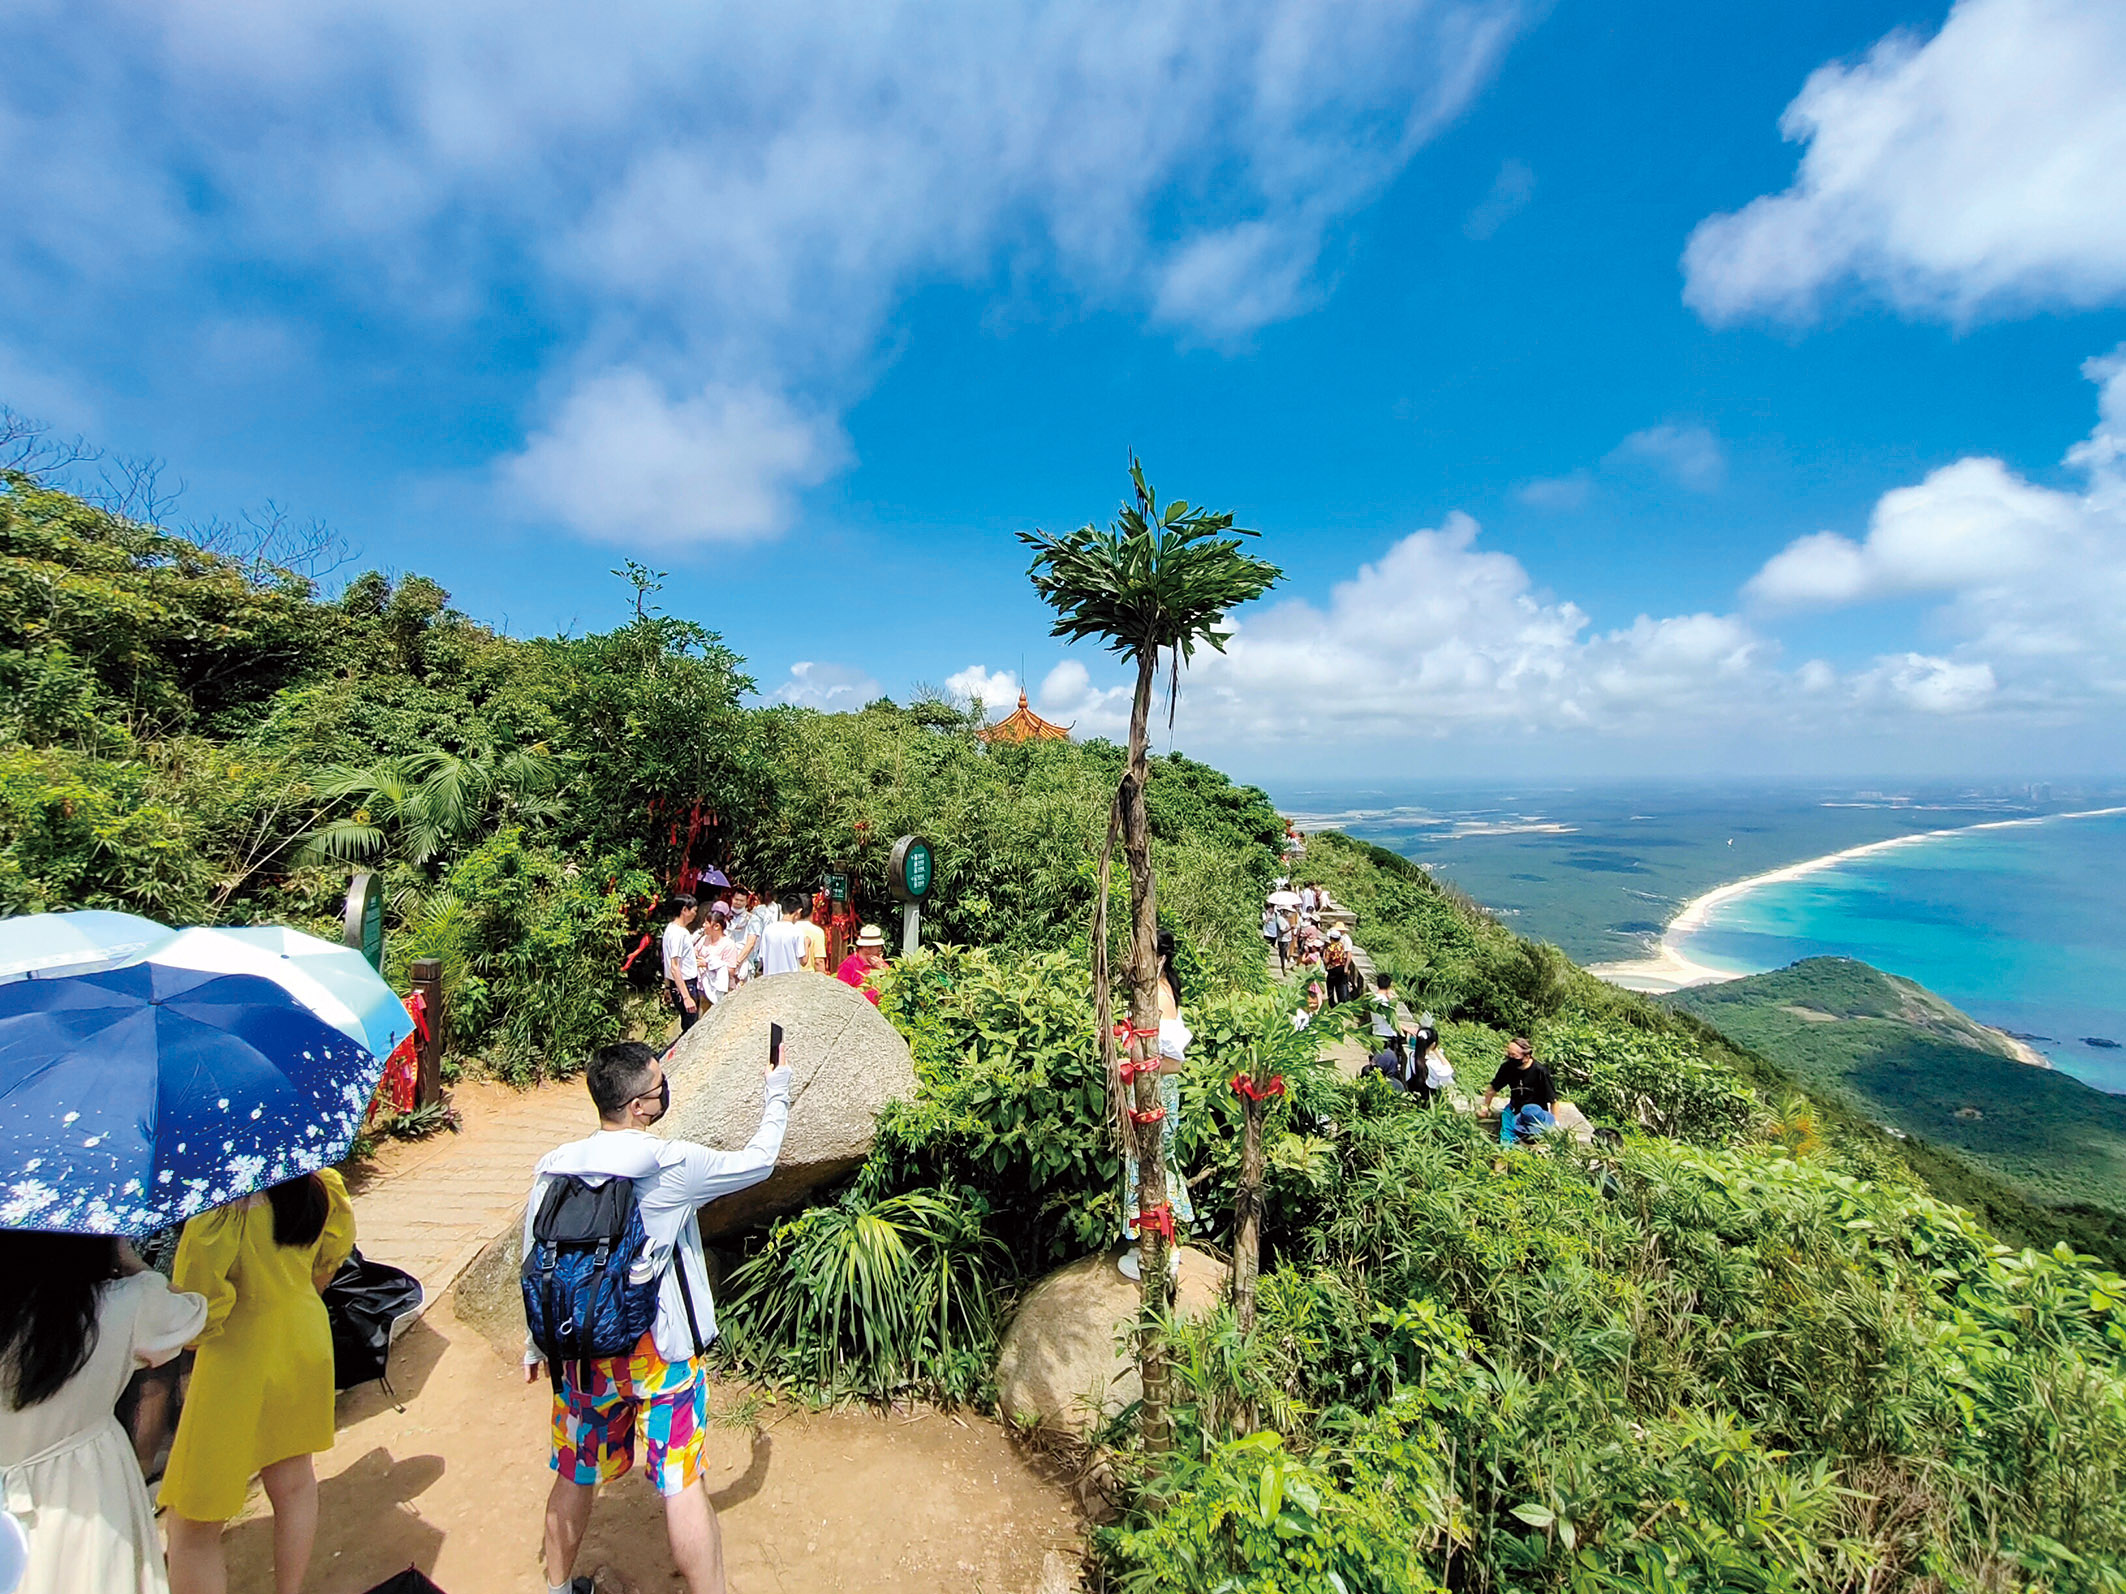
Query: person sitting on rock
[
  {"x": 662, "y": 1385},
  {"x": 1531, "y": 1101}
]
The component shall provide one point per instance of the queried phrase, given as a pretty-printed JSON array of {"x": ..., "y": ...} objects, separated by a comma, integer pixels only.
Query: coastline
[{"x": 1667, "y": 968}]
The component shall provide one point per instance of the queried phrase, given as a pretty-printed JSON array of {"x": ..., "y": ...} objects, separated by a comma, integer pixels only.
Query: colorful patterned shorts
[{"x": 594, "y": 1422}]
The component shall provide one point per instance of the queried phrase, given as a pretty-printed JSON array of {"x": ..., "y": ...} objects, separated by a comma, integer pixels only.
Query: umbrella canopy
[
  {"x": 1283, "y": 899},
  {"x": 714, "y": 877},
  {"x": 335, "y": 982},
  {"x": 132, "y": 1098},
  {"x": 91, "y": 939}
]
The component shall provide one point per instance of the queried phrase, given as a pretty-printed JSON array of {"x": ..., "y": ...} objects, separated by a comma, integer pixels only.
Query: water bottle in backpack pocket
[{"x": 578, "y": 1302}]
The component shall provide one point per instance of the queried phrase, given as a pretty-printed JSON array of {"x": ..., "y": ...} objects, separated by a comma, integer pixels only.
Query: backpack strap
[{"x": 686, "y": 1297}]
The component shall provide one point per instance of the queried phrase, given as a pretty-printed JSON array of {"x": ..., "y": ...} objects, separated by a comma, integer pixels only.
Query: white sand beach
[{"x": 1667, "y": 968}]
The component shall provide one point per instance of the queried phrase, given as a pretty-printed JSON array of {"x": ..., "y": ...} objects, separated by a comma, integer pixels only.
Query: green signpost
[
  {"x": 910, "y": 873},
  {"x": 362, "y": 924}
]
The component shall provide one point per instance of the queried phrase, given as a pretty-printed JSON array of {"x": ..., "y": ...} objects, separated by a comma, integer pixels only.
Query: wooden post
[{"x": 426, "y": 976}]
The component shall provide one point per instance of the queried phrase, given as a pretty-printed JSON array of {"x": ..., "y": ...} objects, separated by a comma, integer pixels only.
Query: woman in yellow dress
[{"x": 260, "y": 1401}]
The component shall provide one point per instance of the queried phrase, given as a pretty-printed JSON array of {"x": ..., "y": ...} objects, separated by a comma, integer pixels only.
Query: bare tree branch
[{"x": 31, "y": 447}]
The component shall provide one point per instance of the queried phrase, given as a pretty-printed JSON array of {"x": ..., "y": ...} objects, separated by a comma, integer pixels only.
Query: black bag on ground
[
  {"x": 363, "y": 1300},
  {"x": 578, "y": 1302},
  {"x": 410, "y": 1581}
]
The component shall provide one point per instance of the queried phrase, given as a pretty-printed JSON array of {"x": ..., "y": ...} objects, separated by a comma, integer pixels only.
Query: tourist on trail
[
  {"x": 661, "y": 1384},
  {"x": 748, "y": 924},
  {"x": 260, "y": 1401},
  {"x": 79, "y": 1315},
  {"x": 1390, "y": 1066},
  {"x": 868, "y": 958},
  {"x": 1429, "y": 1061},
  {"x": 1388, "y": 1019},
  {"x": 716, "y": 953},
  {"x": 1336, "y": 962},
  {"x": 1273, "y": 933},
  {"x": 1531, "y": 1101},
  {"x": 784, "y": 947},
  {"x": 1174, "y": 1038},
  {"x": 1312, "y": 1007},
  {"x": 817, "y": 909},
  {"x": 682, "y": 970}
]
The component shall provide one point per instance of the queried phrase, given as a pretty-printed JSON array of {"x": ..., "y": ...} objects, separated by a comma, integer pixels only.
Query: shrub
[
  {"x": 871, "y": 1296},
  {"x": 1645, "y": 1079}
]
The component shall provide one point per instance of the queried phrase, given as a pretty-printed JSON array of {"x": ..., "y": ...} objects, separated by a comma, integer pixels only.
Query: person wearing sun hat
[{"x": 867, "y": 959}]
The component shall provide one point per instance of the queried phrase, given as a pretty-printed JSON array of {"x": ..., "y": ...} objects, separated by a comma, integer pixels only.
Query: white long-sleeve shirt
[{"x": 674, "y": 1179}]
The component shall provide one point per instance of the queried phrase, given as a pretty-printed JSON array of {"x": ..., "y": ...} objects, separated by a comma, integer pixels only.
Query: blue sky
[{"x": 1623, "y": 387}]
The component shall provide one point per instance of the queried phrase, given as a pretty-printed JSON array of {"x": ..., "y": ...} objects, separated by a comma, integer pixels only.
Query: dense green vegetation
[
  {"x": 1903, "y": 1057},
  {"x": 1743, "y": 1348},
  {"x": 205, "y": 739}
]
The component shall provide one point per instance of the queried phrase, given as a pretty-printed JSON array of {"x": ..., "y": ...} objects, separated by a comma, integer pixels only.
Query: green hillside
[
  {"x": 1749, "y": 1343},
  {"x": 1904, "y": 1057}
]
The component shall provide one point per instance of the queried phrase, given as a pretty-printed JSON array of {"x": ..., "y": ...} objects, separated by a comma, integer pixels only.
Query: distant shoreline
[{"x": 1667, "y": 968}]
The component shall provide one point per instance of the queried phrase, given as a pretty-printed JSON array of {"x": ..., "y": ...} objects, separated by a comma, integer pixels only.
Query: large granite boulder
[
  {"x": 846, "y": 1063},
  {"x": 1064, "y": 1361},
  {"x": 488, "y": 1296}
]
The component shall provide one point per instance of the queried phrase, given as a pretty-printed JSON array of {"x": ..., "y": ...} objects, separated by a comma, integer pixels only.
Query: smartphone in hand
[{"x": 774, "y": 1047}]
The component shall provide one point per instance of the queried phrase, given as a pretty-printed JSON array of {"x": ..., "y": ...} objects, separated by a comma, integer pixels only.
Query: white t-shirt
[
  {"x": 783, "y": 948},
  {"x": 679, "y": 960}
]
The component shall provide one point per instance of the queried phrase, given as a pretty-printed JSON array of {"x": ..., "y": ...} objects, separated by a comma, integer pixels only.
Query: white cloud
[
  {"x": 1510, "y": 193},
  {"x": 1558, "y": 492},
  {"x": 625, "y": 463},
  {"x": 977, "y": 685},
  {"x": 1440, "y": 636},
  {"x": 1069, "y": 697},
  {"x": 1980, "y": 171},
  {"x": 831, "y": 688},
  {"x": 710, "y": 212},
  {"x": 2030, "y": 581},
  {"x": 1689, "y": 455},
  {"x": 1930, "y": 685}
]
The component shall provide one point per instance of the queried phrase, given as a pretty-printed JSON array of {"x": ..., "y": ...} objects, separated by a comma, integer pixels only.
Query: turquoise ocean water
[{"x": 2022, "y": 927}]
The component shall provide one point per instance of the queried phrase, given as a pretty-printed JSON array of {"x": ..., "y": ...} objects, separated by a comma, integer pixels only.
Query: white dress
[{"x": 67, "y": 1466}]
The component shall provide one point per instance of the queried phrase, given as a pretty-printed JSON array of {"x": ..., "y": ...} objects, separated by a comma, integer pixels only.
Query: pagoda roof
[{"x": 1024, "y": 725}]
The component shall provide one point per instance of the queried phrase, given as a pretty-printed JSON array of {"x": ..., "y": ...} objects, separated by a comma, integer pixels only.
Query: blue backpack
[{"x": 578, "y": 1302}]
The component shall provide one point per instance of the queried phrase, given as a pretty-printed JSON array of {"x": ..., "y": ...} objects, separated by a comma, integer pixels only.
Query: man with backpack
[{"x": 616, "y": 1299}]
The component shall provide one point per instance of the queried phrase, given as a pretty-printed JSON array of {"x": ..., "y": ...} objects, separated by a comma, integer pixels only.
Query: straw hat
[{"x": 871, "y": 935}]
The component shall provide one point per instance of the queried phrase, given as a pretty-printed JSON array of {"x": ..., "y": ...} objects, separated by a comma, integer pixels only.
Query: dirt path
[
  {"x": 428, "y": 1206},
  {"x": 452, "y": 1476},
  {"x": 455, "y": 1484}
]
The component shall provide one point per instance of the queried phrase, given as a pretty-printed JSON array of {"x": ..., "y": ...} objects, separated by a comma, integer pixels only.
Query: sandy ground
[{"x": 456, "y": 1481}]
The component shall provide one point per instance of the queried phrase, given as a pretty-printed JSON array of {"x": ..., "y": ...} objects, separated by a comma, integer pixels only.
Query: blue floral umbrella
[{"x": 133, "y": 1098}]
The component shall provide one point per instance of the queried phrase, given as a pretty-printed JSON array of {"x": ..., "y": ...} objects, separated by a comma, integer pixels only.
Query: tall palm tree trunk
[{"x": 1152, "y": 1194}]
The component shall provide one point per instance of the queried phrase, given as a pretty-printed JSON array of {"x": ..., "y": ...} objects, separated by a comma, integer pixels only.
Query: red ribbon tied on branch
[
  {"x": 1157, "y": 1220},
  {"x": 1150, "y": 1115},
  {"x": 1246, "y": 1086}
]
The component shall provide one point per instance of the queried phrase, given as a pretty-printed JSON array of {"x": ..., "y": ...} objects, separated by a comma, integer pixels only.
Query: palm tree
[
  {"x": 416, "y": 807},
  {"x": 1155, "y": 584}
]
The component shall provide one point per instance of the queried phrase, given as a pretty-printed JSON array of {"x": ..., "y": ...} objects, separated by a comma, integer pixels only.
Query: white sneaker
[{"x": 1129, "y": 1265}]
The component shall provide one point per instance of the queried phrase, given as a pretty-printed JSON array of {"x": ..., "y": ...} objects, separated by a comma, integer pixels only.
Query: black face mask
[{"x": 664, "y": 1098}]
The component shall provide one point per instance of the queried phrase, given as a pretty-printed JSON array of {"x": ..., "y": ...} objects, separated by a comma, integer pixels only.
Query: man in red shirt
[{"x": 870, "y": 954}]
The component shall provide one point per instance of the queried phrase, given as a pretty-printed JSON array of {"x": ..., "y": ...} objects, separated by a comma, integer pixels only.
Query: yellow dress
[{"x": 261, "y": 1386}]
